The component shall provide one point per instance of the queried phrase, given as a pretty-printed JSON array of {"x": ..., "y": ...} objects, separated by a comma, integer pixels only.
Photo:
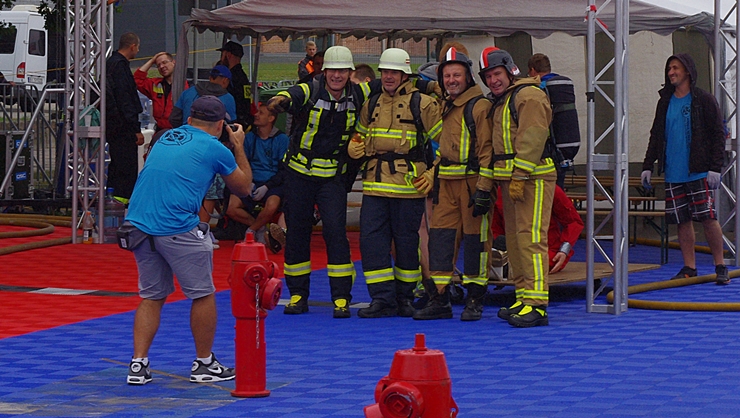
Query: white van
[{"x": 24, "y": 47}]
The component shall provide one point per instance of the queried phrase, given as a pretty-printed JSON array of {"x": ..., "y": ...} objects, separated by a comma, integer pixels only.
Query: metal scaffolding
[
  {"x": 89, "y": 40},
  {"x": 727, "y": 90},
  {"x": 618, "y": 161}
]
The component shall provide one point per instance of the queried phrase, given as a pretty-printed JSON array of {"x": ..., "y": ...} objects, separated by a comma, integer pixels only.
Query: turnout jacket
[
  {"x": 390, "y": 133},
  {"x": 707, "y": 142},
  {"x": 455, "y": 140},
  {"x": 519, "y": 147},
  {"x": 322, "y": 128}
]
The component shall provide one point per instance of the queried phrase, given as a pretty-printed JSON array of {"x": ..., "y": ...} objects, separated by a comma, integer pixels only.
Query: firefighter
[
  {"x": 324, "y": 111},
  {"x": 464, "y": 179},
  {"x": 397, "y": 126},
  {"x": 527, "y": 176}
]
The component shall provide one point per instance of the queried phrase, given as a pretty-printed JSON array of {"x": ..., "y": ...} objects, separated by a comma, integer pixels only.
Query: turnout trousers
[
  {"x": 301, "y": 194},
  {"x": 452, "y": 214},
  {"x": 526, "y": 239},
  {"x": 382, "y": 220}
]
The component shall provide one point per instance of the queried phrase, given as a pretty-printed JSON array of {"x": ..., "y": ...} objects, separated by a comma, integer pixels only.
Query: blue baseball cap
[
  {"x": 221, "y": 71},
  {"x": 208, "y": 109}
]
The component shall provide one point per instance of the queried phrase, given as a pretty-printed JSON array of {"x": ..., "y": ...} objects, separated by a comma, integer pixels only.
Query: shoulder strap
[
  {"x": 512, "y": 104},
  {"x": 469, "y": 121},
  {"x": 372, "y": 102},
  {"x": 315, "y": 91}
]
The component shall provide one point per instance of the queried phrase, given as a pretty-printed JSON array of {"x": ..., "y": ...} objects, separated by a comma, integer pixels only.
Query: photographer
[{"x": 164, "y": 205}]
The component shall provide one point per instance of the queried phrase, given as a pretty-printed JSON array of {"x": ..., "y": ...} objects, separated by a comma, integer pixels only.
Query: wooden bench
[{"x": 649, "y": 216}]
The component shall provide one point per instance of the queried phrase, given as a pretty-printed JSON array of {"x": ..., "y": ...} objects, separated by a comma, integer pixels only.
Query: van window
[
  {"x": 37, "y": 43},
  {"x": 7, "y": 40}
]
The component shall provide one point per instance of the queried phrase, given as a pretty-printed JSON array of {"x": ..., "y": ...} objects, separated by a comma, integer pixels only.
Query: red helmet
[
  {"x": 493, "y": 57},
  {"x": 457, "y": 57}
]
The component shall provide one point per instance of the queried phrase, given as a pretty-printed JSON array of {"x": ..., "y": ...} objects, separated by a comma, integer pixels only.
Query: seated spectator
[
  {"x": 216, "y": 85},
  {"x": 158, "y": 89},
  {"x": 265, "y": 147},
  {"x": 565, "y": 228}
]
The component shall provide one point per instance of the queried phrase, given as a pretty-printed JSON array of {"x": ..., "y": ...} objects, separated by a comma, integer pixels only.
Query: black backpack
[{"x": 565, "y": 135}]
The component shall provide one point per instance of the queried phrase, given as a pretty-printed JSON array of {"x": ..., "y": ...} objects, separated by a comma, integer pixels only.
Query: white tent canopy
[{"x": 421, "y": 18}]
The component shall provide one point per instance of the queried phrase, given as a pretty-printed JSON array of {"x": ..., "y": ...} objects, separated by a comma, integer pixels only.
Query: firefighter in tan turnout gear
[
  {"x": 397, "y": 126},
  {"x": 462, "y": 179},
  {"x": 521, "y": 121}
]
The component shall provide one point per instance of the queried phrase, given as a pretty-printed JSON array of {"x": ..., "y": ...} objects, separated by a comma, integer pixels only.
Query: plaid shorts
[{"x": 685, "y": 202}]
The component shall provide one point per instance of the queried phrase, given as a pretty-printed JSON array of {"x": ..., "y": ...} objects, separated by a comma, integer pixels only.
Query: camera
[{"x": 225, "y": 132}]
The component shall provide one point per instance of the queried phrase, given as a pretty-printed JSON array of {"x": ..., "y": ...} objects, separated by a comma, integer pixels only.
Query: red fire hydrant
[
  {"x": 418, "y": 386},
  {"x": 254, "y": 291}
]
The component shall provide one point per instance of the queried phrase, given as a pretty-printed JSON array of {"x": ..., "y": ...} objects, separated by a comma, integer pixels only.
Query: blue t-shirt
[
  {"x": 678, "y": 141},
  {"x": 188, "y": 97},
  {"x": 175, "y": 178},
  {"x": 264, "y": 155}
]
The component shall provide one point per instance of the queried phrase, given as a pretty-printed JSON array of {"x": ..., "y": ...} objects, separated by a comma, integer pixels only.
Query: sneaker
[
  {"x": 405, "y": 308},
  {"x": 138, "y": 373},
  {"x": 275, "y": 238},
  {"x": 206, "y": 373},
  {"x": 529, "y": 316},
  {"x": 341, "y": 309},
  {"x": 377, "y": 310},
  {"x": 723, "y": 277},
  {"x": 684, "y": 273},
  {"x": 504, "y": 313},
  {"x": 297, "y": 305}
]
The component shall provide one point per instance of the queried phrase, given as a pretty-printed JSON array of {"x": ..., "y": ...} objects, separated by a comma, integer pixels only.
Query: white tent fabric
[{"x": 420, "y": 18}]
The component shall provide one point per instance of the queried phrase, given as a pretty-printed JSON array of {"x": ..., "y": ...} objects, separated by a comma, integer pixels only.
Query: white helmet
[
  {"x": 395, "y": 59},
  {"x": 338, "y": 57}
]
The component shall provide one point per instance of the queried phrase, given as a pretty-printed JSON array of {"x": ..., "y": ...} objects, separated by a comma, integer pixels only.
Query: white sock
[{"x": 206, "y": 360}]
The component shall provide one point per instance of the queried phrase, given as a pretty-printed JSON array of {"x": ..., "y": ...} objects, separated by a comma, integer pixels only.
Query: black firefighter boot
[
  {"x": 474, "y": 302},
  {"x": 438, "y": 307}
]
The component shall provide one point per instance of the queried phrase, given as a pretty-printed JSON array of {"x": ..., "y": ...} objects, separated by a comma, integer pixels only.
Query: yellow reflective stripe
[
  {"x": 368, "y": 186},
  {"x": 435, "y": 130},
  {"x": 306, "y": 92},
  {"x": 320, "y": 167},
  {"x": 314, "y": 115},
  {"x": 362, "y": 128},
  {"x": 157, "y": 88},
  {"x": 408, "y": 276},
  {"x": 483, "y": 281},
  {"x": 539, "y": 274},
  {"x": 365, "y": 88},
  {"x": 524, "y": 164},
  {"x": 341, "y": 270},
  {"x": 297, "y": 269},
  {"x": 485, "y": 228},
  {"x": 539, "y": 193},
  {"x": 547, "y": 167},
  {"x": 464, "y": 143},
  {"x": 506, "y": 136},
  {"x": 535, "y": 295},
  {"x": 519, "y": 291},
  {"x": 286, "y": 94},
  {"x": 441, "y": 279},
  {"x": 453, "y": 170},
  {"x": 379, "y": 276},
  {"x": 486, "y": 172}
]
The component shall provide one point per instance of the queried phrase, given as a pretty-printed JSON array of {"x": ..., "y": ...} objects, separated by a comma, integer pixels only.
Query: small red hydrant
[
  {"x": 418, "y": 386},
  {"x": 254, "y": 291}
]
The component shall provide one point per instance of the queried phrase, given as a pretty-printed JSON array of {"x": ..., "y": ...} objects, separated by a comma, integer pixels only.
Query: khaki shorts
[{"x": 189, "y": 256}]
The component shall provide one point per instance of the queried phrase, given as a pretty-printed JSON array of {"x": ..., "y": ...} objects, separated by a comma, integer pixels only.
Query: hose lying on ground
[
  {"x": 677, "y": 306},
  {"x": 45, "y": 225}
]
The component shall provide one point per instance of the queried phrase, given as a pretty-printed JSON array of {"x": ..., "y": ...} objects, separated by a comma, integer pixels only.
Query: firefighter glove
[
  {"x": 356, "y": 149},
  {"x": 425, "y": 182},
  {"x": 481, "y": 202},
  {"x": 516, "y": 190},
  {"x": 278, "y": 104}
]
